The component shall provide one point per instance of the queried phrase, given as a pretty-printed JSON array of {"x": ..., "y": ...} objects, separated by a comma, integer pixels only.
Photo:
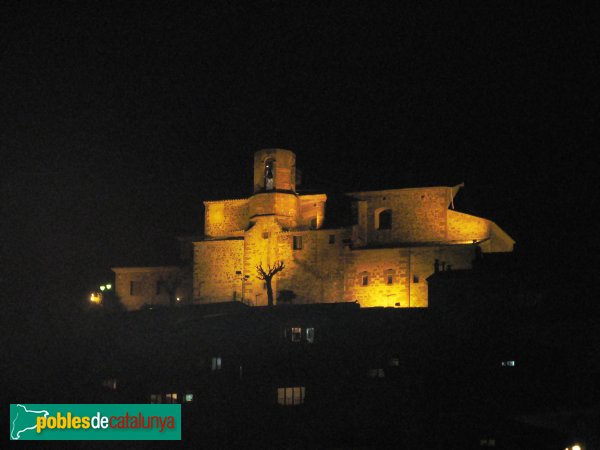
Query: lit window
[
  {"x": 171, "y": 397},
  {"x": 297, "y": 242},
  {"x": 332, "y": 238},
  {"x": 310, "y": 335},
  {"x": 135, "y": 288},
  {"x": 394, "y": 361},
  {"x": 189, "y": 398},
  {"x": 296, "y": 334},
  {"x": 215, "y": 363},
  {"x": 290, "y": 396},
  {"x": 376, "y": 373},
  {"x": 364, "y": 279},
  {"x": 110, "y": 383},
  {"x": 156, "y": 398},
  {"x": 383, "y": 220},
  {"x": 510, "y": 363}
]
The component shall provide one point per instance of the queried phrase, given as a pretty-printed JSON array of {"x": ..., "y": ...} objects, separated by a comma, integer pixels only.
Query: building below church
[{"x": 375, "y": 247}]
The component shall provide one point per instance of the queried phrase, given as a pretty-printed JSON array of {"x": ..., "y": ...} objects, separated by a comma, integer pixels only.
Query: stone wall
[
  {"x": 146, "y": 279},
  {"x": 282, "y": 205},
  {"x": 215, "y": 266},
  {"x": 312, "y": 207},
  {"x": 314, "y": 273},
  {"x": 260, "y": 248},
  {"x": 465, "y": 227},
  {"x": 418, "y": 215},
  {"x": 409, "y": 268},
  {"x": 223, "y": 218}
]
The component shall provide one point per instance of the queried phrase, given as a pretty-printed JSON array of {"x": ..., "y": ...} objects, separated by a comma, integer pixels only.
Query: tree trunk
[{"x": 269, "y": 292}]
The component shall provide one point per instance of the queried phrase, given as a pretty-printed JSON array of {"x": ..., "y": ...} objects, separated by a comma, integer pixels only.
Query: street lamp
[
  {"x": 243, "y": 279},
  {"x": 96, "y": 297}
]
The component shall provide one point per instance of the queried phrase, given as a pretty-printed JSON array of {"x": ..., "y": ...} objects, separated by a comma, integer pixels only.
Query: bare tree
[
  {"x": 171, "y": 282},
  {"x": 267, "y": 276}
]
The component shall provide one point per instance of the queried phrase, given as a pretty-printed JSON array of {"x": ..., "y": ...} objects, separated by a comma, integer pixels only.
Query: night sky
[{"x": 118, "y": 120}]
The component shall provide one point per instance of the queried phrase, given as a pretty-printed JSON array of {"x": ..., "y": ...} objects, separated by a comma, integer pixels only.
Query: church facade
[{"x": 380, "y": 255}]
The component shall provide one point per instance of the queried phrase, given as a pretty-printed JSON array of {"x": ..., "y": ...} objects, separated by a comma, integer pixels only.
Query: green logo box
[{"x": 94, "y": 422}]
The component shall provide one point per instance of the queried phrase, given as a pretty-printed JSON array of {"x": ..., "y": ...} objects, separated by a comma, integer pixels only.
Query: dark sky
[{"x": 117, "y": 120}]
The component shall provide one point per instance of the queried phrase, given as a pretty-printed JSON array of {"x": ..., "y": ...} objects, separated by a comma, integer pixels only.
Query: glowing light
[
  {"x": 96, "y": 297},
  {"x": 108, "y": 286},
  {"x": 102, "y": 288},
  {"x": 178, "y": 299},
  {"x": 576, "y": 447}
]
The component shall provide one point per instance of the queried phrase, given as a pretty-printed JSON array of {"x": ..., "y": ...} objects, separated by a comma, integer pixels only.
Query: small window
[
  {"x": 215, "y": 363},
  {"x": 297, "y": 242},
  {"x": 310, "y": 335},
  {"x": 384, "y": 220},
  {"x": 389, "y": 276},
  {"x": 155, "y": 398},
  {"x": 110, "y": 383},
  {"x": 511, "y": 363},
  {"x": 376, "y": 373},
  {"x": 135, "y": 288},
  {"x": 364, "y": 279},
  {"x": 296, "y": 334},
  {"x": 313, "y": 223},
  {"x": 291, "y": 396},
  {"x": 265, "y": 235},
  {"x": 332, "y": 238},
  {"x": 171, "y": 397},
  {"x": 394, "y": 361},
  {"x": 189, "y": 398},
  {"x": 415, "y": 278}
]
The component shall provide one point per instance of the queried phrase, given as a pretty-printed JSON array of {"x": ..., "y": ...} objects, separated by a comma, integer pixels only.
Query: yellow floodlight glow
[{"x": 96, "y": 297}]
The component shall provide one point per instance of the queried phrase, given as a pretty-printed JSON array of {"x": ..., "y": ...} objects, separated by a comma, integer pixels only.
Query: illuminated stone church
[{"x": 380, "y": 254}]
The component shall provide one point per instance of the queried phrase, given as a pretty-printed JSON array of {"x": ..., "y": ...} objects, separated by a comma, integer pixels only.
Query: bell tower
[
  {"x": 274, "y": 170},
  {"x": 275, "y": 186}
]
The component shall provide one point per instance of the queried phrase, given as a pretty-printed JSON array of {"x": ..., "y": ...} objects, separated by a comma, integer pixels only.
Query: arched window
[
  {"x": 364, "y": 279},
  {"x": 269, "y": 174},
  {"x": 383, "y": 219}
]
